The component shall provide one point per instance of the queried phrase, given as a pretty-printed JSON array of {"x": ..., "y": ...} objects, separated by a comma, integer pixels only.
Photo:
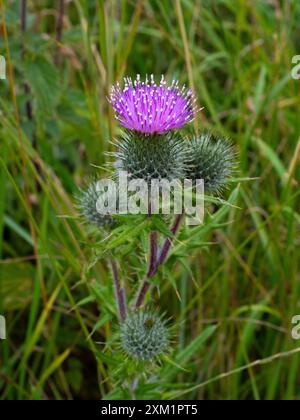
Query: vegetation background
[{"x": 234, "y": 296}]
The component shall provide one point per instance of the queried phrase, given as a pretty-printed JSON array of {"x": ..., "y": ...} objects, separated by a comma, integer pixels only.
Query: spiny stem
[
  {"x": 168, "y": 242},
  {"x": 156, "y": 262},
  {"x": 153, "y": 254},
  {"x": 151, "y": 270},
  {"x": 142, "y": 293},
  {"x": 119, "y": 291}
]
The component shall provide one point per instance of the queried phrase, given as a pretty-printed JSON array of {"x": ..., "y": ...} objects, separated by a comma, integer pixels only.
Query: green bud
[
  {"x": 144, "y": 335},
  {"x": 211, "y": 159},
  {"x": 87, "y": 200},
  {"x": 152, "y": 157}
]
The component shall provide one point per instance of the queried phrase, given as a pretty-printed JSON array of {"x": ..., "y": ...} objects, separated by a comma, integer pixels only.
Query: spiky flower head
[
  {"x": 153, "y": 157},
  {"x": 211, "y": 159},
  {"x": 151, "y": 108},
  {"x": 87, "y": 201},
  {"x": 144, "y": 335}
]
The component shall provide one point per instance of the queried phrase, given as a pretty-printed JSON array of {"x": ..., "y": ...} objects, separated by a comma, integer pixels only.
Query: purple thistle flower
[{"x": 150, "y": 108}]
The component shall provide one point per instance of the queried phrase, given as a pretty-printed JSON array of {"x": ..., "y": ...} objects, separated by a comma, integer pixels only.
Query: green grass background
[{"x": 55, "y": 124}]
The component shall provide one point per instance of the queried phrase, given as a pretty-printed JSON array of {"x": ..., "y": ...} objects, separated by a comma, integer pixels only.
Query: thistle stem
[
  {"x": 142, "y": 293},
  {"x": 151, "y": 270},
  {"x": 155, "y": 261},
  {"x": 153, "y": 254},
  {"x": 119, "y": 291},
  {"x": 168, "y": 242}
]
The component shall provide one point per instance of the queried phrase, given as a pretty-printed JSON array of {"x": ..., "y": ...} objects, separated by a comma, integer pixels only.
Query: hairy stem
[
  {"x": 142, "y": 293},
  {"x": 119, "y": 291},
  {"x": 156, "y": 261},
  {"x": 153, "y": 254},
  {"x": 168, "y": 242},
  {"x": 151, "y": 270}
]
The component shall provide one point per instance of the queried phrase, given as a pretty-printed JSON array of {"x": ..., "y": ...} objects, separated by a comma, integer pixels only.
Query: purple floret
[{"x": 150, "y": 108}]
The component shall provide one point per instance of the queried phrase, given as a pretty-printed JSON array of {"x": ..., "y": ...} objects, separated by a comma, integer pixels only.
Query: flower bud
[
  {"x": 152, "y": 157},
  {"x": 144, "y": 335},
  {"x": 211, "y": 159},
  {"x": 87, "y": 204}
]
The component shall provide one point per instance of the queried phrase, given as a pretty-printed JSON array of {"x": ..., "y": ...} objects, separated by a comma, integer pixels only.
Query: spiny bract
[
  {"x": 144, "y": 335},
  {"x": 87, "y": 200},
  {"x": 211, "y": 159},
  {"x": 152, "y": 157}
]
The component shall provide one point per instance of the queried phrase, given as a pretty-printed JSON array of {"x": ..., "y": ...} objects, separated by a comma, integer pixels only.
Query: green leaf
[
  {"x": 186, "y": 354},
  {"x": 159, "y": 225},
  {"x": 272, "y": 157},
  {"x": 43, "y": 79}
]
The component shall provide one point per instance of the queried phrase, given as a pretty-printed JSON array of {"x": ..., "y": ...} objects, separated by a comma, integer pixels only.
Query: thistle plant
[{"x": 152, "y": 147}]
